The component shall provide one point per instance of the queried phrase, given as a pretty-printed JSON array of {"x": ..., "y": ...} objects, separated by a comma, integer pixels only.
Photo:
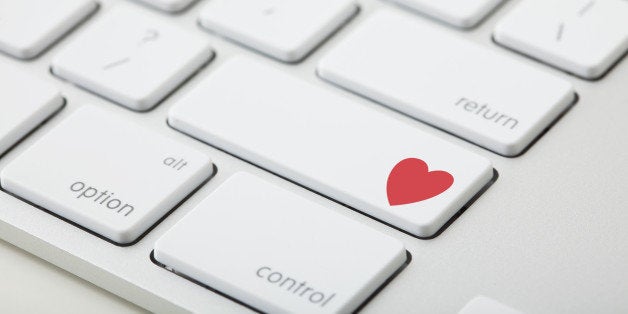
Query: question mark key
[{"x": 132, "y": 57}]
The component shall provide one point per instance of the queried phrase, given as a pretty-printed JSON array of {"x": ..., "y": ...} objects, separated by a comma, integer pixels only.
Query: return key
[{"x": 458, "y": 86}]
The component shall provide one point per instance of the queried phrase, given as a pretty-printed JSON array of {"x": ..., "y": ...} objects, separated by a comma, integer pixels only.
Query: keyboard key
[
  {"x": 285, "y": 30},
  {"x": 303, "y": 258},
  {"x": 332, "y": 145},
  {"x": 28, "y": 27},
  {"x": 583, "y": 37},
  {"x": 132, "y": 57},
  {"x": 428, "y": 73},
  {"x": 486, "y": 305},
  {"x": 26, "y": 102},
  {"x": 460, "y": 13},
  {"x": 106, "y": 174},
  {"x": 169, "y": 5}
]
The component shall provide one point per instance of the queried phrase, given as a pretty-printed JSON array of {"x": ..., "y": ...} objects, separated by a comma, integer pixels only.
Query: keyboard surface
[{"x": 190, "y": 108}]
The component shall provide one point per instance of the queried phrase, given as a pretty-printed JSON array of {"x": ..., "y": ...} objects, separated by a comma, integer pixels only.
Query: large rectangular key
[
  {"x": 106, "y": 174},
  {"x": 277, "y": 251},
  {"x": 428, "y": 73},
  {"x": 332, "y": 145}
]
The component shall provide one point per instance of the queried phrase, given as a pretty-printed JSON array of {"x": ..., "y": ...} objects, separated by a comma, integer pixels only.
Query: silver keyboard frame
[{"x": 548, "y": 236}]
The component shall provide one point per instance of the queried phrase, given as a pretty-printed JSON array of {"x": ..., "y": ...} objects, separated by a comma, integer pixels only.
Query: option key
[{"x": 105, "y": 174}]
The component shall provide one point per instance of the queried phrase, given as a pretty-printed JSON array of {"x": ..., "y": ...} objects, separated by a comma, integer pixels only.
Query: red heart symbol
[{"x": 411, "y": 182}]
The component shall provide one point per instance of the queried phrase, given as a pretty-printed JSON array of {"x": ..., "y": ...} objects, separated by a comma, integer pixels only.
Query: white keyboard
[{"x": 310, "y": 156}]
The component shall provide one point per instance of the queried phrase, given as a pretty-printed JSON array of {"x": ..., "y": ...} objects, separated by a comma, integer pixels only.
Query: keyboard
[{"x": 328, "y": 156}]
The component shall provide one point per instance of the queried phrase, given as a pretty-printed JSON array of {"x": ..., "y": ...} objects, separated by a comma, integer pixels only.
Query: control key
[{"x": 277, "y": 251}]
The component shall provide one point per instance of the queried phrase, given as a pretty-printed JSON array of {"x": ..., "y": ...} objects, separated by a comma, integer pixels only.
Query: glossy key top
[
  {"x": 277, "y": 251},
  {"x": 26, "y": 102},
  {"x": 583, "y": 37},
  {"x": 429, "y": 73},
  {"x": 285, "y": 30},
  {"x": 132, "y": 57},
  {"x": 169, "y": 5},
  {"x": 460, "y": 13},
  {"x": 28, "y": 27},
  {"x": 332, "y": 145},
  {"x": 106, "y": 174}
]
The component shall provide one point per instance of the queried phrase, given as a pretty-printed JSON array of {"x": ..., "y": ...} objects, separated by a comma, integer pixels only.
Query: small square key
[
  {"x": 486, "y": 305},
  {"x": 169, "y": 5},
  {"x": 28, "y": 27},
  {"x": 106, "y": 174},
  {"x": 583, "y": 37},
  {"x": 132, "y": 58},
  {"x": 285, "y": 30},
  {"x": 26, "y": 102},
  {"x": 460, "y": 13}
]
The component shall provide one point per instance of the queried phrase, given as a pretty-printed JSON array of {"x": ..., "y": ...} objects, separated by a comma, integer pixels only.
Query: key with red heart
[{"x": 324, "y": 141}]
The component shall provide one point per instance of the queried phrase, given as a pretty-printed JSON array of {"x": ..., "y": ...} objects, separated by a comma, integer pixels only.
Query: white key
[
  {"x": 26, "y": 102},
  {"x": 169, "y": 5},
  {"x": 421, "y": 70},
  {"x": 286, "y": 30},
  {"x": 583, "y": 37},
  {"x": 132, "y": 57},
  {"x": 302, "y": 257},
  {"x": 460, "y": 13},
  {"x": 486, "y": 305},
  {"x": 332, "y": 145},
  {"x": 27, "y": 27},
  {"x": 106, "y": 174}
]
